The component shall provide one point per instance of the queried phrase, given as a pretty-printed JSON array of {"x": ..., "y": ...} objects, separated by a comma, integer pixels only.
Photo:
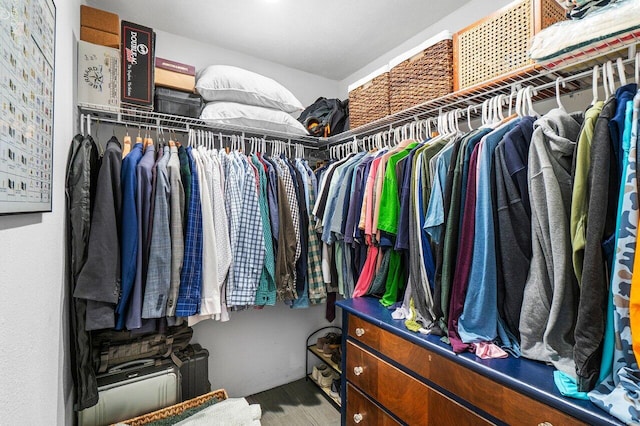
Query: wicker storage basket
[
  {"x": 422, "y": 74},
  {"x": 176, "y": 409},
  {"x": 369, "y": 98},
  {"x": 499, "y": 44}
]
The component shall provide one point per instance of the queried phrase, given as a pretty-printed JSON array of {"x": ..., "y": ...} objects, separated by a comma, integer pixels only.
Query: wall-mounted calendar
[{"x": 27, "y": 53}]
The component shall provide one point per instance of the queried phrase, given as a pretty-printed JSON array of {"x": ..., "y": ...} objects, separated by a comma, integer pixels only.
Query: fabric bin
[
  {"x": 176, "y": 102},
  {"x": 499, "y": 44},
  {"x": 421, "y": 74},
  {"x": 369, "y": 98}
]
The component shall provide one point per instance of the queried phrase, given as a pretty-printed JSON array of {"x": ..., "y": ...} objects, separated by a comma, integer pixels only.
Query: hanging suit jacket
[
  {"x": 81, "y": 177},
  {"x": 99, "y": 280}
]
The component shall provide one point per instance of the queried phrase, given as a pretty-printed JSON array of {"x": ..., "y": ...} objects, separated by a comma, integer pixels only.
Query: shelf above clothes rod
[
  {"x": 576, "y": 74},
  {"x": 133, "y": 117}
]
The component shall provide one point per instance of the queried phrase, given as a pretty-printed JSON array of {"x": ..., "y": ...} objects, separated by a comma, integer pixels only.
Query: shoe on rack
[
  {"x": 327, "y": 377},
  {"x": 317, "y": 370},
  {"x": 330, "y": 338},
  {"x": 329, "y": 348},
  {"x": 335, "y": 389},
  {"x": 336, "y": 355}
]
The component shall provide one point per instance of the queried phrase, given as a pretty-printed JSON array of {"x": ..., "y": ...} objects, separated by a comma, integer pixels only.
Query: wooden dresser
[{"x": 393, "y": 376}]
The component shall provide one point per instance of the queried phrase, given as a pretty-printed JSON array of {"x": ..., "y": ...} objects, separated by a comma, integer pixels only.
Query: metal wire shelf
[
  {"x": 134, "y": 117},
  {"x": 574, "y": 68}
]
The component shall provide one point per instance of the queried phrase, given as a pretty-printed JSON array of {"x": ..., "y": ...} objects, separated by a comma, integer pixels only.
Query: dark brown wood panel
[
  {"x": 405, "y": 353},
  {"x": 444, "y": 411},
  {"x": 372, "y": 415},
  {"x": 395, "y": 390},
  {"x": 499, "y": 401}
]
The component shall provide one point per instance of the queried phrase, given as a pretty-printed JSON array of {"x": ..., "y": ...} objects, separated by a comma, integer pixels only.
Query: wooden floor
[{"x": 296, "y": 403}]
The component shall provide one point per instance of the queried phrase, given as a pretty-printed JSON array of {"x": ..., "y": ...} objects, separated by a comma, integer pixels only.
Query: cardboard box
[
  {"x": 99, "y": 20},
  {"x": 168, "y": 65},
  {"x": 137, "y": 54},
  {"x": 102, "y": 38},
  {"x": 174, "y": 80},
  {"x": 98, "y": 75}
]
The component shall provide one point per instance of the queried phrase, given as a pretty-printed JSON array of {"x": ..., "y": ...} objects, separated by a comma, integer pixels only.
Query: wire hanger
[
  {"x": 594, "y": 85},
  {"x": 621, "y": 73},
  {"x": 510, "y": 100},
  {"x": 498, "y": 115},
  {"x": 475, "y": 110},
  {"x": 605, "y": 83},
  {"x": 610, "y": 78},
  {"x": 564, "y": 84},
  {"x": 530, "y": 92}
]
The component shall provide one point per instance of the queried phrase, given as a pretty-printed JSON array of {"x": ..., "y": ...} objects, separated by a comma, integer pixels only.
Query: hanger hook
[{"x": 564, "y": 85}]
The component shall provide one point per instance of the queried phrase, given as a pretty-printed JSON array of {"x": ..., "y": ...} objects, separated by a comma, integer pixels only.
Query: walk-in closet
[{"x": 278, "y": 212}]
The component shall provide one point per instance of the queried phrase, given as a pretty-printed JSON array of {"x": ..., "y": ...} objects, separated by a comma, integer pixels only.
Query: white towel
[{"x": 230, "y": 412}]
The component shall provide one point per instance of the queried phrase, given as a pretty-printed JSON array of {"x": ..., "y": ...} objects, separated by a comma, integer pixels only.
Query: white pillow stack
[{"x": 243, "y": 98}]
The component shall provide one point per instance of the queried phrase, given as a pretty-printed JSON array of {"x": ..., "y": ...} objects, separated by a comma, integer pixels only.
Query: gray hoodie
[{"x": 550, "y": 301}]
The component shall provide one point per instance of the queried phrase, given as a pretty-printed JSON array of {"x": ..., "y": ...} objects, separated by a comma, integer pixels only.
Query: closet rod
[
  {"x": 430, "y": 109},
  {"x": 132, "y": 117},
  {"x": 149, "y": 126}
]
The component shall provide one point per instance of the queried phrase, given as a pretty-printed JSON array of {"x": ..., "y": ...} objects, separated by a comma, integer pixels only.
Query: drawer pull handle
[
  {"x": 359, "y": 332},
  {"x": 357, "y": 418},
  {"x": 545, "y": 424},
  {"x": 358, "y": 370}
]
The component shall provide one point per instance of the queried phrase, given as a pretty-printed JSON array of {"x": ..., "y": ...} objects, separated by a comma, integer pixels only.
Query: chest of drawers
[{"x": 393, "y": 376}]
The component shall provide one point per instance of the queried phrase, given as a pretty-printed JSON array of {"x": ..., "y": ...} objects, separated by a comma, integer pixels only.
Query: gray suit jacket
[{"x": 99, "y": 279}]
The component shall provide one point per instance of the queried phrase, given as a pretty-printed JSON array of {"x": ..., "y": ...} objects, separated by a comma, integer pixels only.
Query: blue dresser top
[{"x": 531, "y": 378}]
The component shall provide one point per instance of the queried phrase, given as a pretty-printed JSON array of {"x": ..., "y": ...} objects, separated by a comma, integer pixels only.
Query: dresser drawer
[
  {"x": 405, "y": 353},
  {"x": 410, "y": 400},
  {"x": 501, "y": 402},
  {"x": 362, "y": 411}
]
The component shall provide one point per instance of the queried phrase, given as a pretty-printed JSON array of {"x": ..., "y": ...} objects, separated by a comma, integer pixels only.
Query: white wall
[
  {"x": 305, "y": 86},
  {"x": 259, "y": 349},
  {"x": 36, "y": 383},
  {"x": 466, "y": 15}
]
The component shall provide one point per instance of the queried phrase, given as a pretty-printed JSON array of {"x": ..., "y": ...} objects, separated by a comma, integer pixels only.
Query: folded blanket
[
  {"x": 230, "y": 412},
  {"x": 587, "y": 7},
  {"x": 617, "y": 19}
]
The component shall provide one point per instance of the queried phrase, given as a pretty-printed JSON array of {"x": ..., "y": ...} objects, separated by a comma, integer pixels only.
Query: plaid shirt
[
  {"x": 159, "y": 270},
  {"x": 233, "y": 205},
  {"x": 250, "y": 254},
  {"x": 266, "y": 294},
  {"x": 191, "y": 275},
  {"x": 317, "y": 288}
]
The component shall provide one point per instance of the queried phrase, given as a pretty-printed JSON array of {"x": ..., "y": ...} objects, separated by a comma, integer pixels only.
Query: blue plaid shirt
[{"x": 191, "y": 274}]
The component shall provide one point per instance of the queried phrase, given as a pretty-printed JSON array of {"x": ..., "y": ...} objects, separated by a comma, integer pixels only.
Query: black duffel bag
[
  {"x": 326, "y": 117},
  {"x": 112, "y": 347}
]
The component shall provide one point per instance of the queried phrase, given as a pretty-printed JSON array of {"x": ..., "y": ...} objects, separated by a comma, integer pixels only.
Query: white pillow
[
  {"x": 251, "y": 116},
  {"x": 227, "y": 83}
]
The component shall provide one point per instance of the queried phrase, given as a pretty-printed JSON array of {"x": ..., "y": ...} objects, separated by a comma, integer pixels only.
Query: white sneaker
[
  {"x": 326, "y": 378},
  {"x": 317, "y": 370}
]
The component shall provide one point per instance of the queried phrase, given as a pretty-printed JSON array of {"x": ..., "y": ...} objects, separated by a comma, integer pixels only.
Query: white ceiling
[{"x": 331, "y": 38}]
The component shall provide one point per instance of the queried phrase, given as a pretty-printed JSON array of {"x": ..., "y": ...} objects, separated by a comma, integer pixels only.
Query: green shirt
[
  {"x": 579, "y": 202},
  {"x": 389, "y": 199}
]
